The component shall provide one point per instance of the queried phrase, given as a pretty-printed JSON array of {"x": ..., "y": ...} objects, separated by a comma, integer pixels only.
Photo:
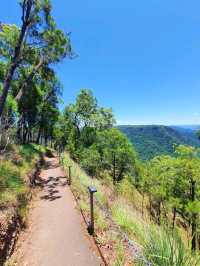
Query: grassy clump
[
  {"x": 13, "y": 170},
  {"x": 127, "y": 191},
  {"x": 120, "y": 255},
  {"x": 11, "y": 183},
  {"x": 128, "y": 220},
  {"x": 160, "y": 246}
]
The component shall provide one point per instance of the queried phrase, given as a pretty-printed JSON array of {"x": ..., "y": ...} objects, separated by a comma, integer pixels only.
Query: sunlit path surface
[{"x": 55, "y": 235}]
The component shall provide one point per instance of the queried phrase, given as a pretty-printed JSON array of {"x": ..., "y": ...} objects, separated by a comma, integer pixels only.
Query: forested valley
[
  {"x": 154, "y": 140},
  {"x": 155, "y": 203}
]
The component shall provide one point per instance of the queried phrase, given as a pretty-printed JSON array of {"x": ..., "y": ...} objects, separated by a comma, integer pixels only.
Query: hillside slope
[
  {"x": 190, "y": 134},
  {"x": 151, "y": 140}
]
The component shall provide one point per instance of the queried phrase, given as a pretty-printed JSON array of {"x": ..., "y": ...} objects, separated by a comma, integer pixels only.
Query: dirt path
[{"x": 55, "y": 235}]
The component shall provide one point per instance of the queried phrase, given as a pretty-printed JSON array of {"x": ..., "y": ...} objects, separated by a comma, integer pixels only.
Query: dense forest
[
  {"x": 168, "y": 182},
  {"x": 30, "y": 89},
  {"x": 150, "y": 141}
]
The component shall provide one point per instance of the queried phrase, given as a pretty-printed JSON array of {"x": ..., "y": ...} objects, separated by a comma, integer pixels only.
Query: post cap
[{"x": 92, "y": 189}]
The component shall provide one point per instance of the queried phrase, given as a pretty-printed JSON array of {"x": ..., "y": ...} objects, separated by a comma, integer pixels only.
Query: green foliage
[
  {"x": 173, "y": 185},
  {"x": 151, "y": 141},
  {"x": 91, "y": 161},
  {"x": 117, "y": 154},
  {"x": 87, "y": 131},
  {"x": 167, "y": 181},
  {"x": 9, "y": 35},
  {"x": 198, "y": 134},
  {"x": 27, "y": 56}
]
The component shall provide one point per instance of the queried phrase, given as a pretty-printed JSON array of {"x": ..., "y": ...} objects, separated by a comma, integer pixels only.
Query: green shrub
[{"x": 91, "y": 161}]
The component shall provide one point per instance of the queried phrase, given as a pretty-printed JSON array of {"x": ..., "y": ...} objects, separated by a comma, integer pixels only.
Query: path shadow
[
  {"x": 51, "y": 165},
  {"x": 51, "y": 185}
]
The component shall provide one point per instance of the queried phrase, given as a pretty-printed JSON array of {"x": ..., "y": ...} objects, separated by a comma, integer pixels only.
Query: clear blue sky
[{"x": 142, "y": 58}]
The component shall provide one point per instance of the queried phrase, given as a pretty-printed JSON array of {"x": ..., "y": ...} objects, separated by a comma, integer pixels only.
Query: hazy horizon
[{"x": 153, "y": 124}]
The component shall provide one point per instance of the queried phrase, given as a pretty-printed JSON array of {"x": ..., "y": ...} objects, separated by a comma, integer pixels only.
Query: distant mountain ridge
[
  {"x": 186, "y": 127},
  {"x": 153, "y": 140}
]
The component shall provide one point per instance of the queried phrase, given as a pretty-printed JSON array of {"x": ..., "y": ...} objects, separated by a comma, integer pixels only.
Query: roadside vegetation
[
  {"x": 16, "y": 168},
  {"x": 108, "y": 235},
  {"x": 125, "y": 235}
]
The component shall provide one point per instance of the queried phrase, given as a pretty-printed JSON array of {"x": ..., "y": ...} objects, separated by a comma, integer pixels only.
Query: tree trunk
[
  {"x": 142, "y": 204},
  {"x": 114, "y": 168},
  {"x": 174, "y": 218},
  {"x": 194, "y": 218},
  {"x": 194, "y": 237},
  {"x": 39, "y": 135},
  {"x": 25, "y": 133},
  {"x": 16, "y": 57},
  {"x": 150, "y": 206},
  {"x": 29, "y": 135},
  {"x": 159, "y": 213},
  {"x": 19, "y": 133},
  {"x": 120, "y": 175},
  {"x": 46, "y": 141}
]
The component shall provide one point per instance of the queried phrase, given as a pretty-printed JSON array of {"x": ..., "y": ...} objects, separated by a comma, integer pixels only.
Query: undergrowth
[
  {"x": 17, "y": 163},
  {"x": 107, "y": 235},
  {"x": 153, "y": 245}
]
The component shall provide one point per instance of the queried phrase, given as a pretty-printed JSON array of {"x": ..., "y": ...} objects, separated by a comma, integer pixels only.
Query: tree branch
[
  {"x": 28, "y": 80},
  {"x": 17, "y": 56}
]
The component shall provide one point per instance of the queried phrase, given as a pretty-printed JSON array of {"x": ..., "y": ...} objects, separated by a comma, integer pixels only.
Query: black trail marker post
[
  {"x": 70, "y": 176},
  {"x": 92, "y": 190}
]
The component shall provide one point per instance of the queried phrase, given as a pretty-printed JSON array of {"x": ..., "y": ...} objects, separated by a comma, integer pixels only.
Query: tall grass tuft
[
  {"x": 162, "y": 247},
  {"x": 13, "y": 170}
]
